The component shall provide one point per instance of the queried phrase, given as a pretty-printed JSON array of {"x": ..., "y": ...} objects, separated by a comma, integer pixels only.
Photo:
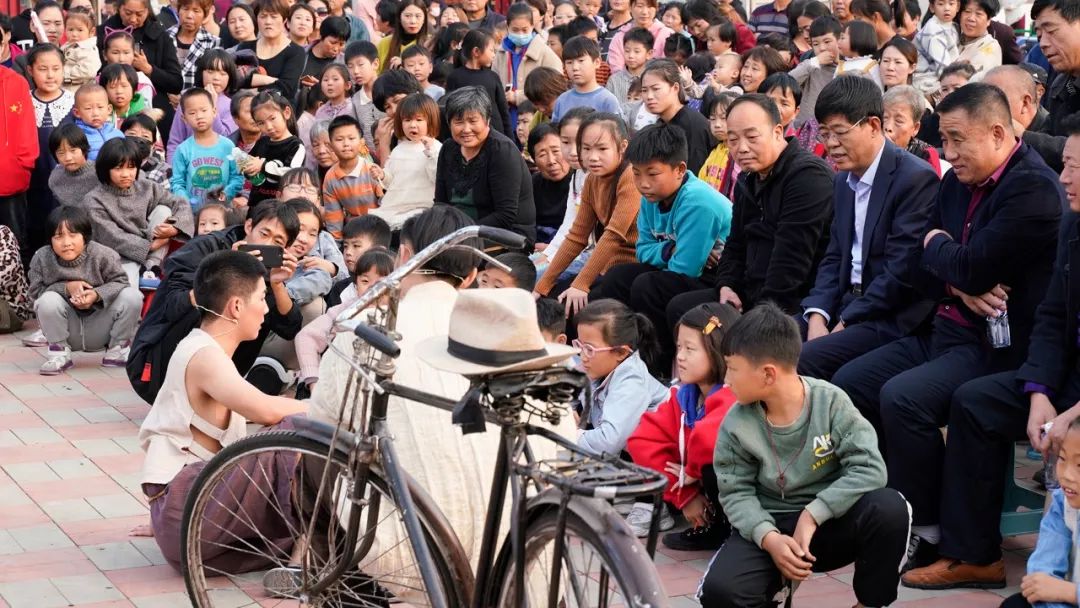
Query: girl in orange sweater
[{"x": 609, "y": 209}]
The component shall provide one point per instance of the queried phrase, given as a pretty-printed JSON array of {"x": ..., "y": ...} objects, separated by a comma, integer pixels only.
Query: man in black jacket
[
  {"x": 780, "y": 222},
  {"x": 993, "y": 238},
  {"x": 172, "y": 316},
  {"x": 863, "y": 296}
]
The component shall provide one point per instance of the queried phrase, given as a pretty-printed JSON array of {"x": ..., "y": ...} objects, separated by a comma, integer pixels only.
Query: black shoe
[
  {"x": 920, "y": 554},
  {"x": 707, "y": 538},
  {"x": 268, "y": 375},
  {"x": 303, "y": 391}
]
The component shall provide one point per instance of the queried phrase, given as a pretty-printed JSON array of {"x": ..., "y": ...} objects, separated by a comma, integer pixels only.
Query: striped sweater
[{"x": 348, "y": 194}]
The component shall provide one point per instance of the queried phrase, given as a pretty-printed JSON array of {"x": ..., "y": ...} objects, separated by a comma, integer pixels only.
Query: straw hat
[{"x": 492, "y": 331}]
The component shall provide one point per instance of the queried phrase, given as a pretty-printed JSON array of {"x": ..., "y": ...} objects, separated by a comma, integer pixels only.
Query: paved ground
[{"x": 69, "y": 463}]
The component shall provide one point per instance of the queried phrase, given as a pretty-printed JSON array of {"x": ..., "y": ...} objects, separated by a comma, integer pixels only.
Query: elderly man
[
  {"x": 1058, "y": 25},
  {"x": 780, "y": 222},
  {"x": 994, "y": 233},
  {"x": 1023, "y": 93},
  {"x": 862, "y": 298}
]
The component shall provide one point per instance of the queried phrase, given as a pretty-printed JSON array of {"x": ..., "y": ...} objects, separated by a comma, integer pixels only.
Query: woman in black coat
[{"x": 155, "y": 53}]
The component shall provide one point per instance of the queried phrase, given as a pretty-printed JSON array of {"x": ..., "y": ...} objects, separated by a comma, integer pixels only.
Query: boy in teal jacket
[
  {"x": 682, "y": 226},
  {"x": 800, "y": 477}
]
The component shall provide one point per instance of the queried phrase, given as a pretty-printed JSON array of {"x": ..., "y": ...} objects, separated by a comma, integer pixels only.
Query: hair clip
[{"x": 711, "y": 325}]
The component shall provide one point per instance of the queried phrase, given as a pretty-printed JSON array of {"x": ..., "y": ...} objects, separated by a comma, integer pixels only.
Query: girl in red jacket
[{"x": 678, "y": 438}]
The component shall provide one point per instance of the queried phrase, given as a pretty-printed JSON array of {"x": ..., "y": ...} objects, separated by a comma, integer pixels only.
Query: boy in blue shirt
[
  {"x": 682, "y": 225},
  {"x": 581, "y": 57},
  {"x": 92, "y": 114},
  {"x": 203, "y": 161}
]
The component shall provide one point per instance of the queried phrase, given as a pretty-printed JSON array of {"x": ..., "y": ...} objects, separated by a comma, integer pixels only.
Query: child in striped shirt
[{"x": 349, "y": 188}]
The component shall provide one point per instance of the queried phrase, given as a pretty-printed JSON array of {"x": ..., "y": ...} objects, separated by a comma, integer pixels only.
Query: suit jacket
[
  {"x": 1052, "y": 354},
  {"x": 897, "y": 216},
  {"x": 1012, "y": 241}
]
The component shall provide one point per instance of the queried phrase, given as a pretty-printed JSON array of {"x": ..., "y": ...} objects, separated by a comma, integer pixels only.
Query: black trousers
[
  {"x": 13, "y": 215},
  {"x": 1015, "y": 601},
  {"x": 648, "y": 290},
  {"x": 988, "y": 415},
  {"x": 822, "y": 357},
  {"x": 905, "y": 390},
  {"x": 873, "y": 534}
]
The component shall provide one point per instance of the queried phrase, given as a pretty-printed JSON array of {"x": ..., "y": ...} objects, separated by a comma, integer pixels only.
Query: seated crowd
[{"x": 789, "y": 246}]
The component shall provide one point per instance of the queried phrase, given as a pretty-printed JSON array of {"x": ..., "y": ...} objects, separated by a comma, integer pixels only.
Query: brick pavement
[{"x": 69, "y": 463}]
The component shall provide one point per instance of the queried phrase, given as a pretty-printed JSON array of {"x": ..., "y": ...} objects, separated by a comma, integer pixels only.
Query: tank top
[{"x": 166, "y": 435}]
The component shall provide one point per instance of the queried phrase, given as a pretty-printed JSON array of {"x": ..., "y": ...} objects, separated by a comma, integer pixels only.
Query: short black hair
[
  {"x": 861, "y": 38},
  {"x": 378, "y": 258},
  {"x": 580, "y": 46},
  {"x": 195, "y": 92},
  {"x": 275, "y": 210},
  {"x": 853, "y": 97},
  {"x": 641, "y": 36},
  {"x": 218, "y": 59},
  {"x": 825, "y": 25},
  {"x": 1069, "y": 126},
  {"x": 1069, "y": 9},
  {"x": 990, "y": 7},
  {"x": 868, "y": 8},
  {"x": 725, "y": 31},
  {"x": 301, "y": 206},
  {"x": 519, "y": 10},
  {"x": 115, "y": 71},
  {"x": 386, "y": 10},
  {"x": 391, "y": 83},
  {"x": 700, "y": 64},
  {"x": 415, "y": 50},
  {"x": 420, "y": 231},
  {"x": 371, "y": 226},
  {"x": 362, "y": 48},
  {"x": 713, "y": 99},
  {"x": 764, "y": 334},
  {"x": 785, "y": 83},
  {"x": 978, "y": 100},
  {"x": 140, "y": 119},
  {"x": 550, "y": 316},
  {"x": 41, "y": 49},
  {"x": 659, "y": 141},
  {"x": 706, "y": 10},
  {"x": 336, "y": 27},
  {"x": 238, "y": 99},
  {"x": 562, "y": 32},
  {"x": 76, "y": 219},
  {"x": 117, "y": 153},
  {"x": 964, "y": 69},
  {"x": 760, "y": 101},
  {"x": 341, "y": 121},
  {"x": 72, "y": 135},
  {"x": 538, "y": 133},
  {"x": 578, "y": 26},
  {"x": 522, "y": 269},
  {"x": 223, "y": 275}
]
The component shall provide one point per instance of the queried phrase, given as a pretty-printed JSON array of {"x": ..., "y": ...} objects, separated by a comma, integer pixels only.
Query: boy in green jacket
[{"x": 800, "y": 477}]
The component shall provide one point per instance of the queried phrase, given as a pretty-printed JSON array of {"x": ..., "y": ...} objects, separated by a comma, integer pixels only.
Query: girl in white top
[
  {"x": 568, "y": 129},
  {"x": 858, "y": 44},
  {"x": 409, "y": 173},
  {"x": 938, "y": 43}
]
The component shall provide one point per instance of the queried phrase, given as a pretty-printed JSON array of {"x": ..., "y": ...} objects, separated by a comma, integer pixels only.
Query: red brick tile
[
  {"x": 823, "y": 585},
  {"x": 975, "y": 599},
  {"x": 677, "y": 570},
  {"x": 53, "y": 402},
  {"x": 115, "y": 604},
  {"x": 152, "y": 580},
  {"x": 98, "y": 531},
  {"x": 119, "y": 464},
  {"x": 20, "y": 516},
  {"x": 682, "y": 586},
  {"x": 52, "y": 556},
  {"x": 38, "y": 453},
  {"x": 72, "y": 488},
  {"x": 104, "y": 430},
  {"x": 682, "y": 556},
  {"x": 44, "y": 564},
  {"x": 21, "y": 420}
]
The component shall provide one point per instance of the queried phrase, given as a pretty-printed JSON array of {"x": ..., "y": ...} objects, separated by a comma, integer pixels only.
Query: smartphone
[
  {"x": 138, "y": 48},
  {"x": 271, "y": 254},
  {"x": 170, "y": 220}
]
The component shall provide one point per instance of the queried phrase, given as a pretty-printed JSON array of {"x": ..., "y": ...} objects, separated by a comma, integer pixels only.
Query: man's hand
[
  {"x": 1041, "y": 587},
  {"x": 787, "y": 555},
  {"x": 573, "y": 299},
  {"x": 989, "y": 304},
  {"x": 804, "y": 533},
  {"x": 728, "y": 296},
  {"x": 174, "y": 100},
  {"x": 839, "y": 327},
  {"x": 930, "y": 236},
  {"x": 816, "y": 327},
  {"x": 1040, "y": 412},
  {"x": 309, "y": 81},
  {"x": 696, "y": 511},
  {"x": 165, "y": 231},
  {"x": 285, "y": 271}
]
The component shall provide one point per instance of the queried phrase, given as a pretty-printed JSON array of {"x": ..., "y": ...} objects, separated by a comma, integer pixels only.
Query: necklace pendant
[{"x": 781, "y": 483}]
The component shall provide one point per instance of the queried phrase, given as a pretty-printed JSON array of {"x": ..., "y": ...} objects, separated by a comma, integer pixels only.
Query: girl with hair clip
[
  {"x": 135, "y": 217},
  {"x": 408, "y": 176},
  {"x": 277, "y": 151},
  {"x": 216, "y": 72},
  {"x": 617, "y": 347},
  {"x": 679, "y": 437},
  {"x": 609, "y": 207}
]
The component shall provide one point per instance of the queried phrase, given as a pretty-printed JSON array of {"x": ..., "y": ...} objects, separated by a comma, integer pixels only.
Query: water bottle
[
  {"x": 997, "y": 330},
  {"x": 1050, "y": 463},
  {"x": 240, "y": 157}
]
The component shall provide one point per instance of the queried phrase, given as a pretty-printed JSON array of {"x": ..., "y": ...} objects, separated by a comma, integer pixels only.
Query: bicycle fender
[{"x": 323, "y": 432}]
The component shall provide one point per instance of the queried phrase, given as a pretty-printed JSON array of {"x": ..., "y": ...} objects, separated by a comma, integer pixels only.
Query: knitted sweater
[
  {"x": 614, "y": 217},
  {"x": 409, "y": 177},
  {"x": 70, "y": 187},
  {"x": 829, "y": 457},
  {"x": 97, "y": 265},
  {"x": 120, "y": 216}
]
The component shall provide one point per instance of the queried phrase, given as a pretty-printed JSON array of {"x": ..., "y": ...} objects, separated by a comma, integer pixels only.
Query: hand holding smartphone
[{"x": 270, "y": 255}]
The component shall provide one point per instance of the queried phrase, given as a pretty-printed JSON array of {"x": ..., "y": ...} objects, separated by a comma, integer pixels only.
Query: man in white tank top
[{"x": 204, "y": 404}]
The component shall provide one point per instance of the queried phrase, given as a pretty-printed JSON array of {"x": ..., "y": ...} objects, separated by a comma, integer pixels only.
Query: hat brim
[{"x": 434, "y": 352}]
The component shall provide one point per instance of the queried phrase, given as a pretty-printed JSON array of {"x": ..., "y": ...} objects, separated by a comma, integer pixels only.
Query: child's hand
[
  {"x": 158, "y": 243},
  {"x": 677, "y": 470},
  {"x": 75, "y": 288},
  {"x": 253, "y": 166},
  {"x": 804, "y": 533},
  {"x": 826, "y": 58},
  {"x": 395, "y": 63},
  {"x": 1041, "y": 587},
  {"x": 239, "y": 203},
  {"x": 697, "y": 511},
  {"x": 85, "y": 300},
  {"x": 428, "y": 143},
  {"x": 787, "y": 555},
  {"x": 313, "y": 262},
  {"x": 686, "y": 75},
  {"x": 165, "y": 231},
  {"x": 377, "y": 172},
  {"x": 573, "y": 299}
]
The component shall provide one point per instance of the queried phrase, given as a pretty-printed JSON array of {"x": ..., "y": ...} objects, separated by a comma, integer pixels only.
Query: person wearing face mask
[
  {"x": 521, "y": 52},
  {"x": 172, "y": 315}
]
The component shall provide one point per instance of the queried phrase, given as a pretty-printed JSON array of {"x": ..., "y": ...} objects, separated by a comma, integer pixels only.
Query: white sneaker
[
  {"x": 640, "y": 519},
  {"x": 117, "y": 355},
  {"x": 35, "y": 339},
  {"x": 58, "y": 361}
]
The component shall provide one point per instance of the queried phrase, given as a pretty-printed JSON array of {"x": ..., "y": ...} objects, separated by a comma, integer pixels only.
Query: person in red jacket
[
  {"x": 19, "y": 147},
  {"x": 679, "y": 437}
]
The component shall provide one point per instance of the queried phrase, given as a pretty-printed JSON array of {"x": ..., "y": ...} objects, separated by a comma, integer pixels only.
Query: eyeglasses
[
  {"x": 309, "y": 190},
  {"x": 589, "y": 351},
  {"x": 322, "y": 12},
  {"x": 825, "y": 136},
  {"x": 805, "y": 30}
]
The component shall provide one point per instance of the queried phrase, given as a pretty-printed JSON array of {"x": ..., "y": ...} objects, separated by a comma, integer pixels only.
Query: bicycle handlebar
[
  {"x": 506, "y": 238},
  {"x": 378, "y": 340}
]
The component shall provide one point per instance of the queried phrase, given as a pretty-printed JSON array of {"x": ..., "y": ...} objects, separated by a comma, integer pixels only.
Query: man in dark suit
[
  {"x": 883, "y": 197},
  {"x": 994, "y": 233},
  {"x": 991, "y": 413}
]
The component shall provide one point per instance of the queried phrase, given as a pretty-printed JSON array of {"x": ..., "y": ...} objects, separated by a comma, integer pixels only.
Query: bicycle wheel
[
  {"x": 602, "y": 564},
  {"x": 257, "y": 532}
]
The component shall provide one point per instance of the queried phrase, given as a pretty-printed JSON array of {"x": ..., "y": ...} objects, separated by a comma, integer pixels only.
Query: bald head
[
  {"x": 1019, "y": 88},
  {"x": 981, "y": 102}
]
